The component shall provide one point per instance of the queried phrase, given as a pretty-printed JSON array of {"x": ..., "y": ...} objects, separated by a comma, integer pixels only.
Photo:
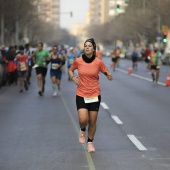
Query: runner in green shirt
[
  {"x": 40, "y": 58},
  {"x": 155, "y": 64}
]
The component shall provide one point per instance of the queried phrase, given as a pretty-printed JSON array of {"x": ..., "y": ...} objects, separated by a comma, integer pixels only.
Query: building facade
[
  {"x": 49, "y": 11},
  {"x": 101, "y": 11},
  {"x": 94, "y": 11},
  {"x": 137, "y": 3}
]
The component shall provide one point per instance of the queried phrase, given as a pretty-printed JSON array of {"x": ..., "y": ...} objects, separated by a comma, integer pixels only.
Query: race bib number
[
  {"x": 71, "y": 61},
  {"x": 23, "y": 66},
  {"x": 91, "y": 99},
  {"x": 54, "y": 66}
]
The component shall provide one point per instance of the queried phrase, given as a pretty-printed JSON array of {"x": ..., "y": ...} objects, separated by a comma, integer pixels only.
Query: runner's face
[
  {"x": 21, "y": 52},
  {"x": 40, "y": 47},
  {"x": 55, "y": 49},
  {"x": 88, "y": 48}
]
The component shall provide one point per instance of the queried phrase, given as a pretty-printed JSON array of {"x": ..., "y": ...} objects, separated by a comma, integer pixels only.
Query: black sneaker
[
  {"x": 25, "y": 85},
  {"x": 43, "y": 89},
  {"x": 21, "y": 91},
  {"x": 40, "y": 93}
]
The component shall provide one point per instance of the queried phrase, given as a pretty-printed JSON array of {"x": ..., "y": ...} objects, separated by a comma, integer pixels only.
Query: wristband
[{"x": 105, "y": 73}]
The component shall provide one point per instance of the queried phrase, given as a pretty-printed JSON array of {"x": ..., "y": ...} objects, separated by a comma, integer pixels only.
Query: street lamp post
[
  {"x": 144, "y": 6},
  {"x": 2, "y": 28},
  {"x": 159, "y": 17},
  {"x": 2, "y": 21}
]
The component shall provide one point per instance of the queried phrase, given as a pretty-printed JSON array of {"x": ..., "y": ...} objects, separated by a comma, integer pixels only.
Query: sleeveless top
[{"x": 55, "y": 62}]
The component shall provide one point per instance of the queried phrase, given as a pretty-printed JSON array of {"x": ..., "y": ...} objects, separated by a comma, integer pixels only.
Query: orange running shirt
[
  {"x": 99, "y": 54},
  {"x": 88, "y": 74}
]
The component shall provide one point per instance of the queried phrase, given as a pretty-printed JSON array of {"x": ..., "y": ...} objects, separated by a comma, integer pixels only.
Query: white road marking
[
  {"x": 117, "y": 120},
  {"x": 136, "y": 142},
  {"x": 141, "y": 77},
  {"x": 104, "y": 105},
  {"x": 123, "y": 71},
  {"x": 90, "y": 162}
]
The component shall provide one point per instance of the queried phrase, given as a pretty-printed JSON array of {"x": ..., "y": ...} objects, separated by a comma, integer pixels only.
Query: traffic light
[
  {"x": 164, "y": 38},
  {"x": 118, "y": 8},
  {"x": 71, "y": 14}
]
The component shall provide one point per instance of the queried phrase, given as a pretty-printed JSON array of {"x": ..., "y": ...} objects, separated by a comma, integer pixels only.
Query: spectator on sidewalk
[{"x": 11, "y": 66}]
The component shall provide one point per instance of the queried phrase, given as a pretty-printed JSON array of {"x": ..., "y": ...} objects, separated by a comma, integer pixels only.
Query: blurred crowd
[{"x": 9, "y": 64}]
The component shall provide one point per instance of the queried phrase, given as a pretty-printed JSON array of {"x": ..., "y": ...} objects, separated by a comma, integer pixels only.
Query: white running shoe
[
  {"x": 35, "y": 66},
  {"x": 90, "y": 147},
  {"x": 82, "y": 137},
  {"x": 55, "y": 93}
]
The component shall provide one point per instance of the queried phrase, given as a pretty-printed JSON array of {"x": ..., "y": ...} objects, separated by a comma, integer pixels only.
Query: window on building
[
  {"x": 55, "y": 19},
  {"x": 55, "y": 12},
  {"x": 55, "y": 6}
]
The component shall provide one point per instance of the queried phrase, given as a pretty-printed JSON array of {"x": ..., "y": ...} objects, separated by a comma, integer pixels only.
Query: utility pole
[
  {"x": 144, "y": 6},
  {"x": 159, "y": 23},
  {"x": 159, "y": 17},
  {"x": 2, "y": 28},
  {"x": 2, "y": 21},
  {"x": 16, "y": 31}
]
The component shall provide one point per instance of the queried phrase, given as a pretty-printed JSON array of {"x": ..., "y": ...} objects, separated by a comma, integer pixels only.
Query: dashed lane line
[
  {"x": 136, "y": 142},
  {"x": 132, "y": 138},
  {"x": 117, "y": 120},
  {"x": 140, "y": 77},
  {"x": 104, "y": 105}
]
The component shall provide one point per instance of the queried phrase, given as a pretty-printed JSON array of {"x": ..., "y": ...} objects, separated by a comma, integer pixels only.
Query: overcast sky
[{"x": 79, "y": 9}]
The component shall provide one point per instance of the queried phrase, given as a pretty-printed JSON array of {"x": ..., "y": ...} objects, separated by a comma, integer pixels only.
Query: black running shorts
[
  {"x": 154, "y": 67},
  {"x": 89, "y": 106},
  {"x": 41, "y": 70}
]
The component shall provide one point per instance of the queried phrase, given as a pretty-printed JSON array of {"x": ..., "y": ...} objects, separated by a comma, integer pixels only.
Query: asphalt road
[{"x": 133, "y": 129}]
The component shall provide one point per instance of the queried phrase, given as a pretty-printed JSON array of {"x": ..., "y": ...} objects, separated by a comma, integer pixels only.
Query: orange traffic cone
[
  {"x": 130, "y": 70},
  {"x": 168, "y": 80}
]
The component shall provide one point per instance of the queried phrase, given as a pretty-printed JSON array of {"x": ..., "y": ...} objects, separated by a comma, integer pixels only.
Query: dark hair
[
  {"x": 91, "y": 40},
  {"x": 55, "y": 46},
  {"x": 21, "y": 48},
  {"x": 11, "y": 48},
  {"x": 41, "y": 43},
  {"x": 27, "y": 45},
  {"x": 15, "y": 46}
]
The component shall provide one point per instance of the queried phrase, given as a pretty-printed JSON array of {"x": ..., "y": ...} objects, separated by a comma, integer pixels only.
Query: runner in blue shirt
[{"x": 70, "y": 60}]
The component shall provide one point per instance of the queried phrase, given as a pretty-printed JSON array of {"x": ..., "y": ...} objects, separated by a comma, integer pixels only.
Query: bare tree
[
  {"x": 22, "y": 18},
  {"x": 139, "y": 22}
]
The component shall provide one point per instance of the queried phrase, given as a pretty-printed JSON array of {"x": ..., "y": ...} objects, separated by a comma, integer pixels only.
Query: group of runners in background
[{"x": 152, "y": 59}]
